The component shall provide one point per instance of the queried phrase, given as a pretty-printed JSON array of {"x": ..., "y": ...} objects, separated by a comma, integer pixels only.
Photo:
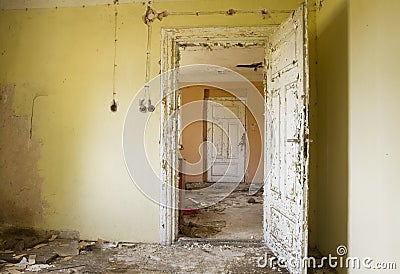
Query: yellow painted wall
[
  {"x": 358, "y": 152},
  {"x": 71, "y": 174},
  {"x": 80, "y": 176},
  {"x": 332, "y": 79},
  {"x": 374, "y": 150},
  {"x": 192, "y": 135}
]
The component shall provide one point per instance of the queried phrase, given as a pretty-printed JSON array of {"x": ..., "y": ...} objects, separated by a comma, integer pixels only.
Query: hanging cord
[
  {"x": 148, "y": 61},
  {"x": 148, "y": 19},
  {"x": 114, "y": 105},
  {"x": 151, "y": 15}
]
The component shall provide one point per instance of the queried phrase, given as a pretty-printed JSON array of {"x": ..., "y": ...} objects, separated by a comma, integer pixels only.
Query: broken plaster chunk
[
  {"x": 101, "y": 244},
  {"x": 21, "y": 265},
  {"x": 32, "y": 259},
  {"x": 38, "y": 267},
  {"x": 129, "y": 245},
  {"x": 17, "y": 257},
  {"x": 86, "y": 246},
  {"x": 8, "y": 251},
  {"x": 23, "y": 261},
  {"x": 109, "y": 245},
  {"x": 53, "y": 237},
  {"x": 65, "y": 250},
  {"x": 39, "y": 246},
  {"x": 13, "y": 271},
  {"x": 67, "y": 258}
]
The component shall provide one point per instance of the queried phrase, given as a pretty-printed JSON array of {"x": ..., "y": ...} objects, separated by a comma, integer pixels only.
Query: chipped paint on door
[
  {"x": 226, "y": 136},
  {"x": 286, "y": 185}
]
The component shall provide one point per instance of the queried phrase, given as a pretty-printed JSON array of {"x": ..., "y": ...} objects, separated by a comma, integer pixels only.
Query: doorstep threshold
[{"x": 212, "y": 241}]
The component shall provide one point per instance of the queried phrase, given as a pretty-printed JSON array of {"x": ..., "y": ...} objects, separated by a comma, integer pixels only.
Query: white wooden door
[
  {"x": 286, "y": 165},
  {"x": 226, "y": 140}
]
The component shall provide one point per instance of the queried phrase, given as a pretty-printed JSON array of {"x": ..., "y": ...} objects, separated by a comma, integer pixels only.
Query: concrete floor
[
  {"x": 147, "y": 258},
  {"x": 232, "y": 218},
  {"x": 223, "y": 238}
]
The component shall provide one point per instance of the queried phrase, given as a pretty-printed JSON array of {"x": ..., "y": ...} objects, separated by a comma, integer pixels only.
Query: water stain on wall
[{"x": 20, "y": 194}]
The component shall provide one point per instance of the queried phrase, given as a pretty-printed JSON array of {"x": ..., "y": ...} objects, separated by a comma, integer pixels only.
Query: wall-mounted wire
[
  {"x": 114, "y": 104},
  {"x": 265, "y": 14},
  {"x": 151, "y": 15},
  {"x": 148, "y": 60},
  {"x": 148, "y": 18}
]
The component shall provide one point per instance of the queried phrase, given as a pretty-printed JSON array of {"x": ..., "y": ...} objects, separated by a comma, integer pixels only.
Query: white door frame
[{"x": 172, "y": 39}]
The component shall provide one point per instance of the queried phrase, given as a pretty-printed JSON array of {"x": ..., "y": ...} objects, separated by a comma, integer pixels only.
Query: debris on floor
[
  {"x": 48, "y": 252},
  {"x": 194, "y": 230},
  {"x": 53, "y": 254},
  {"x": 190, "y": 211},
  {"x": 238, "y": 216},
  {"x": 17, "y": 239}
]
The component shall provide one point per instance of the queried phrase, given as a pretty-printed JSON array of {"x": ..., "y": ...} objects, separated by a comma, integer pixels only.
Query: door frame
[{"x": 171, "y": 40}]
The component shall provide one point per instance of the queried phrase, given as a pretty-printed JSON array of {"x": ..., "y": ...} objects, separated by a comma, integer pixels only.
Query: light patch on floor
[{"x": 238, "y": 216}]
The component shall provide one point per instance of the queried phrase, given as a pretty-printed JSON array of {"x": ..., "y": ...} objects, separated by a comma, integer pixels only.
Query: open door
[{"x": 286, "y": 165}]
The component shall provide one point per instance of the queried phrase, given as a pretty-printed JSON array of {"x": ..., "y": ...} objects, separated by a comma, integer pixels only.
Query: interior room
[
  {"x": 240, "y": 215},
  {"x": 199, "y": 136}
]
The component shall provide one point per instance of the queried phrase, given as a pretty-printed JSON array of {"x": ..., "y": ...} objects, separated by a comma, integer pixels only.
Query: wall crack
[{"x": 33, "y": 112}]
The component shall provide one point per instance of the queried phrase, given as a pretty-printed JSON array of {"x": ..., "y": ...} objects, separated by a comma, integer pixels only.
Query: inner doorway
[
  {"x": 226, "y": 144},
  {"x": 226, "y": 151}
]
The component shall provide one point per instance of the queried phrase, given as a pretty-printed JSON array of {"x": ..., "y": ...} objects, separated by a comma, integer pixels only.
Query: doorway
[
  {"x": 285, "y": 203},
  {"x": 222, "y": 138}
]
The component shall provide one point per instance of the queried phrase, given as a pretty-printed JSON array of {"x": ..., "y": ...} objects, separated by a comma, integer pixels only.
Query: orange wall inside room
[{"x": 192, "y": 135}]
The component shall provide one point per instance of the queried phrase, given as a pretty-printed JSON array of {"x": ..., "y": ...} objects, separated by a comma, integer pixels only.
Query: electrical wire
[
  {"x": 148, "y": 61},
  {"x": 229, "y": 12},
  {"x": 115, "y": 50}
]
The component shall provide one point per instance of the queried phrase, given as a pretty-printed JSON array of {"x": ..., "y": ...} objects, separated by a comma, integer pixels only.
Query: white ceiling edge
[{"x": 35, "y": 4}]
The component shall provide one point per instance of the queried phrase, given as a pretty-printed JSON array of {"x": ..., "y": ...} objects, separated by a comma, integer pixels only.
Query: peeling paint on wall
[
  {"x": 68, "y": 53},
  {"x": 20, "y": 195}
]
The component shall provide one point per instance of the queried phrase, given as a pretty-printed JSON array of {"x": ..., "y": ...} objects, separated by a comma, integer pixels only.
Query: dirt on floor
[
  {"x": 45, "y": 252},
  {"x": 239, "y": 216},
  {"x": 25, "y": 250},
  {"x": 225, "y": 237}
]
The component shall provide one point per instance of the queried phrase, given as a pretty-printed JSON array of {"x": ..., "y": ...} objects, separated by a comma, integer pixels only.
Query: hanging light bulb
[
  {"x": 142, "y": 107},
  {"x": 114, "y": 106},
  {"x": 150, "y": 107}
]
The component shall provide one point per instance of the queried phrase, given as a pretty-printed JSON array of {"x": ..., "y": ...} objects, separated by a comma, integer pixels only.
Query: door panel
[
  {"x": 286, "y": 183},
  {"x": 226, "y": 148}
]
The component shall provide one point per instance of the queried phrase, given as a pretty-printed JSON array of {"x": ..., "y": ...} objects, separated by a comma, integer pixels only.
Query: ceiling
[{"x": 224, "y": 57}]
